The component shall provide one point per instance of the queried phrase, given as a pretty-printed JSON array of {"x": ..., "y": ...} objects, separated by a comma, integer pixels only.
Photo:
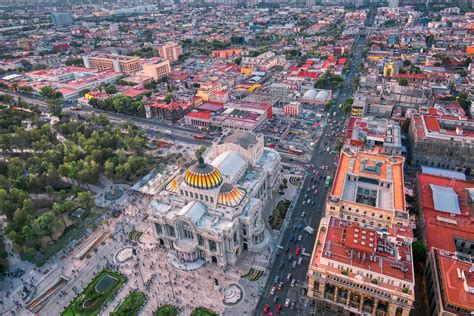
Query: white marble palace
[{"x": 213, "y": 211}]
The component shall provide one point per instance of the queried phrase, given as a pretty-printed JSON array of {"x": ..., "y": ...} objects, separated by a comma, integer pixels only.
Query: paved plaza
[{"x": 147, "y": 270}]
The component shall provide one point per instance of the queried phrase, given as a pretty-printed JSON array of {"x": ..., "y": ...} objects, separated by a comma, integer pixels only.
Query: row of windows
[
  {"x": 365, "y": 213},
  {"x": 197, "y": 196}
]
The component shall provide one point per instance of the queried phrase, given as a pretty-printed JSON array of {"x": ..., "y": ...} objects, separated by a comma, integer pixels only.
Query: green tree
[
  {"x": 86, "y": 200},
  {"x": 50, "y": 93},
  {"x": 45, "y": 224},
  {"x": 419, "y": 251},
  {"x": 403, "y": 82},
  {"x": 54, "y": 107}
]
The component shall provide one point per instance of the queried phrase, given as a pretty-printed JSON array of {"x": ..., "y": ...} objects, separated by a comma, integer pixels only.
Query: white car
[
  {"x": 293, "y": 282},
  {"x": 287, "y": 302},
  {"x": 272, "y": 291}
]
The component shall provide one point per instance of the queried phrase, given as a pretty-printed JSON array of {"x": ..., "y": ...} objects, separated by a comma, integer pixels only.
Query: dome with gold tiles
[
  {"x": 230, "y": 195},
  {"x": 173, "y": 185},
  {"x": 203, "y": 176}
]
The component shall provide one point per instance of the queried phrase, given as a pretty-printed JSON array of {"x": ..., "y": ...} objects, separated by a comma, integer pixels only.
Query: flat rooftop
[
  {"x": 379, "y": 251},
  {"x": 457, "y": 280},
  {"x": 445, "y": 219},
  {"x": 371, "y": 180}
]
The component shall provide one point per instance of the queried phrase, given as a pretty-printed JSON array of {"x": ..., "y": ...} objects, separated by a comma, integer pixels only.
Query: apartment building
[
  {"x": 157, "y": 69},
  {"x": 118, "y": 63},
  {"x": 170, "y": 51}
]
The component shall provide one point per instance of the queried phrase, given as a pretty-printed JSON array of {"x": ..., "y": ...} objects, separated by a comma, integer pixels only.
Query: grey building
[{"x": 62, "y": 19}]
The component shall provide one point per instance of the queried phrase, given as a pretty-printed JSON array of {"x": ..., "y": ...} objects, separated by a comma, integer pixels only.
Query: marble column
[
  {"x": 336, "y": 290},
  {"x": 374, "y": 308}
]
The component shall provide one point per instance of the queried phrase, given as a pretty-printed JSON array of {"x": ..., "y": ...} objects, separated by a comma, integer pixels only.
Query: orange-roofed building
[
  {"x": 450, "y": 283},
  {"x": 369, "y": 188},
  {"x": 447, "y": 213},
  {"x": 442, "y": 141},
  {"x": 360, "y": 270}
]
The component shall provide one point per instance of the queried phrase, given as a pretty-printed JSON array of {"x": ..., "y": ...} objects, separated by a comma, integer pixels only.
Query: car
[
  {"x": 292, "y": 306},
  {"x": 300, "y": 226},
  {"x": 290, "y": 257},
  {"x": 287, "y": 302},
  {"x": 276, "y": 279},
  {"x": 280, "y": 285},
  {"x": 288, "y": 277},
  {"x": 313, "y": 203},
  {"x": 287, "y": 249},
  {"x": 303, "y": 214},
  {"x": 266, "y": 309},
  {"x": 275, "y": 299},
  {"x": 292, "y": 284},
  {"x": 313, "y": 187},
  {"x": 272, "y": 291},
  {"x": 298, "y": 251},
  {"x": 278, "y": 253},
  {"x": 300, "y": 237},
  {"x": 292, "y": 237},
  {"x": 315, "y": 191},
  {"x": 305, "y": 196},
  {"x": 304, "y": 203},
  {"x": 303, "y": 250},
  {"x": 293, "y": 265},
  {"x": 282, "y": 265},
  {"x": 300, "y": 260},
  {"x": 308, "y": 201},
  {"x": 278, "y": 310}
]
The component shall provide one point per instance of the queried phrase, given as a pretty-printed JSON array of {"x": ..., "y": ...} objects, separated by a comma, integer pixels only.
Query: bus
[{"x": 328, "y": 181}]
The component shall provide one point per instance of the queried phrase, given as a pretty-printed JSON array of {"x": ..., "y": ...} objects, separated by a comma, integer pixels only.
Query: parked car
[{"x": 287, "y": 302}]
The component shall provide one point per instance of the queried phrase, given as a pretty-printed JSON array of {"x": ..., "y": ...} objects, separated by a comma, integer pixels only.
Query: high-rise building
[
  {"x": 62, "y": 19},
  {"x": 157, "y": 68},
  {"x": 170, "y": 51},
  {"x": 369, "y": 188},
  {"x": 361, "y": 270},
  {"x": 118, "y": 63}
]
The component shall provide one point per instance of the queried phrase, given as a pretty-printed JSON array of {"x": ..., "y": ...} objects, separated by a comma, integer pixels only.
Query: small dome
[
  {"x": 230, "y": 195},
  {"x": 173, "y": 185},
  {"x": 203, "y": 176}
]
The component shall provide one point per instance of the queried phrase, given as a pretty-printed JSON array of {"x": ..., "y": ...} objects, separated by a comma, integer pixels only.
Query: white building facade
[{"x": 213, "y": 211}]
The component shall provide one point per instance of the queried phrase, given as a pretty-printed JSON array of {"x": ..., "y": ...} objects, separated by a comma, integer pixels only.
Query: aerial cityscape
[{"x": 236, "y": 157}]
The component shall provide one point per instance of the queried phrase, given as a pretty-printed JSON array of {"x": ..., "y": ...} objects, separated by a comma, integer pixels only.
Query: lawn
[
  {"x": 130, "y": 305},
  {"x": 166, "y": 310},
  {"x": 201, "y": 311},
  {"x": 96, "y": 294}
]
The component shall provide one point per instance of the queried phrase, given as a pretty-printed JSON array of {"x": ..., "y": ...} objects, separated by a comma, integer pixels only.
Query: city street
[{"x": 313, "y": 214}]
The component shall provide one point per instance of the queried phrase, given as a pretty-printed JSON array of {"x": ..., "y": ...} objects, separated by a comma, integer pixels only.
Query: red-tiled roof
[{"x": 441, "y": 228}]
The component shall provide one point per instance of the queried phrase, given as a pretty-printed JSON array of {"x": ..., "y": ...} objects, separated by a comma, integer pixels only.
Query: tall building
[
  {"x": 62, "y": 19},
  {"x": 442, "y": 141},
  {"x": 450, "y": 283},
  {"x": 369, "y": 188},
  {"x": 446, "y": 225},
  {"x": 157, "y": 68},
  {"x": 119, "y": 63},
  {"x": 213, "y": 211},
  {"x": 170, "y": 51},
  {"x": 393, "y": 3},
  {"x": 360, "y": 270}
]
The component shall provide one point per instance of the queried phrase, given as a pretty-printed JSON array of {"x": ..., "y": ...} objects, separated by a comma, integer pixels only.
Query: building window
[
  {"x": 170, "y": 230},
  {"x": 200, "y": 240},
  {"x": 159, "y": 229},
  {"x": 212, "y": 199},
  {"x": 212, "y": 245}
]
